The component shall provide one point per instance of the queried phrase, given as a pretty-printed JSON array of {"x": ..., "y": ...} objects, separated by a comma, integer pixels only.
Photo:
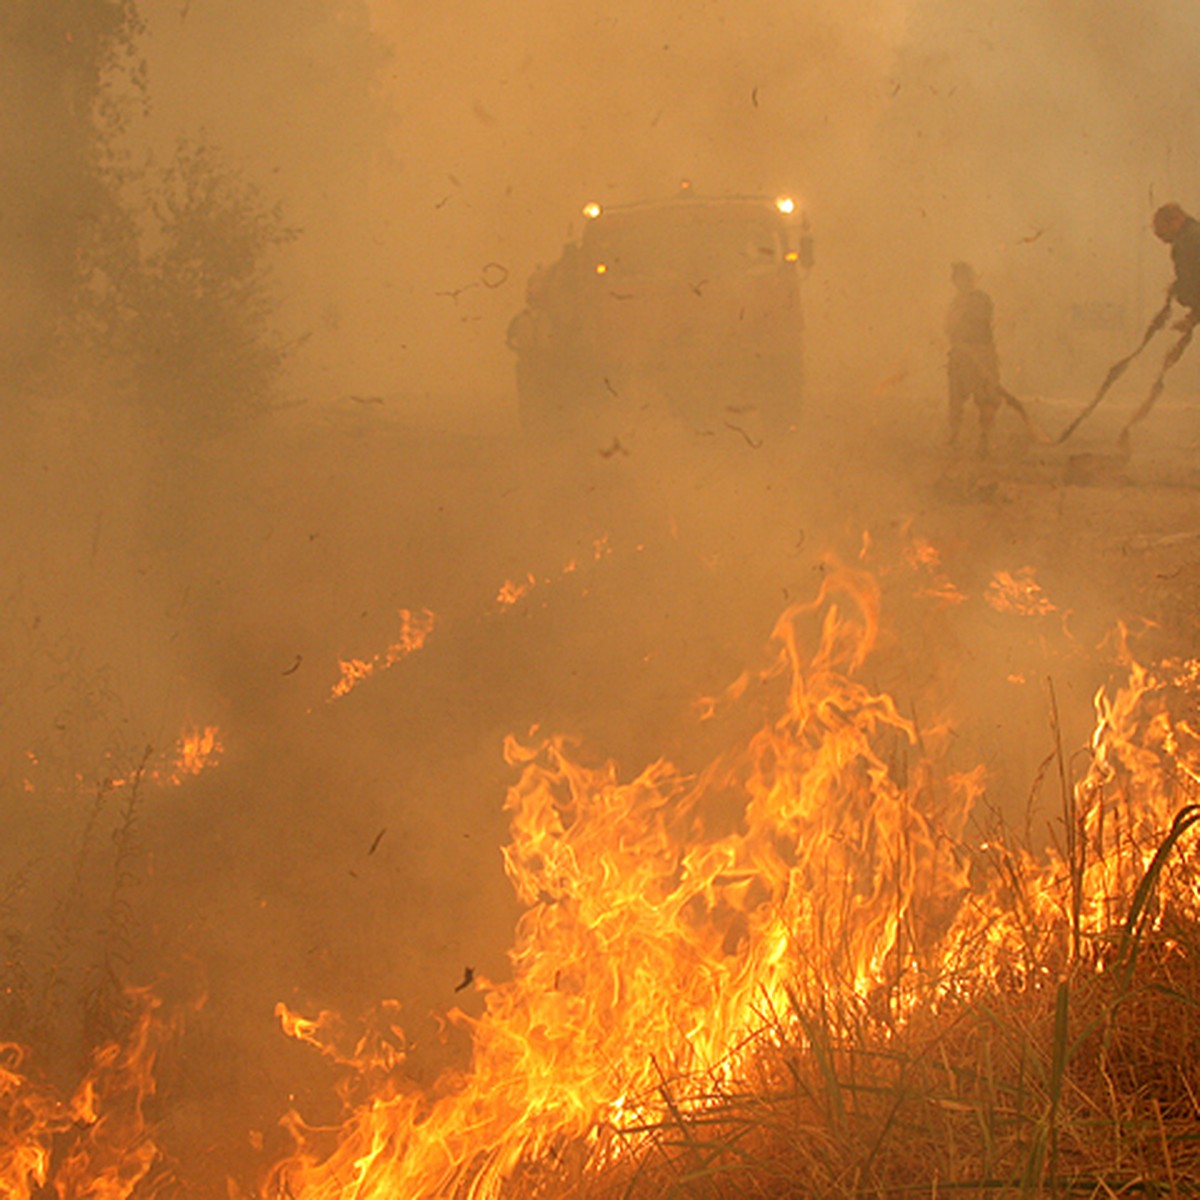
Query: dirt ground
[{"x": 346, "y": 851}]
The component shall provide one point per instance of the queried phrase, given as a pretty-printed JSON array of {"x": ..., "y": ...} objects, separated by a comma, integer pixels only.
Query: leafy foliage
[{"x": 198, "y": 304}]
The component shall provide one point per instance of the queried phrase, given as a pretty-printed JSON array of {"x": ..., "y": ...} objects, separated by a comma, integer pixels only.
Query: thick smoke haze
[
  {"x": 162, "y": 571},
  {"x": 416, "y": 147}
]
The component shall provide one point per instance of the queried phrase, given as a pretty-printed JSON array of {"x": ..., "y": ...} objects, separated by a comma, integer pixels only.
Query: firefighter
[
  {"x": 1182, "y": 233},
  {"x": 972, "y": 367}
]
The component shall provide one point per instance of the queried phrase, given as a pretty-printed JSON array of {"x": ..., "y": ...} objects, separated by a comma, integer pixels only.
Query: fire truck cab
[{"x": 691, "y": 304}]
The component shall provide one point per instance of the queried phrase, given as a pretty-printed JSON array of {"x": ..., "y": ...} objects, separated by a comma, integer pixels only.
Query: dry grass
[
  {"x": 1082, "y": 1087},
  {"x": 1085, "y": 1082}
]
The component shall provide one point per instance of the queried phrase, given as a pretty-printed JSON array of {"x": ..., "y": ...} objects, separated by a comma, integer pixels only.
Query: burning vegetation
[
  {"x": 800, "y": 970},
  {"x": 808, "y": 948}
]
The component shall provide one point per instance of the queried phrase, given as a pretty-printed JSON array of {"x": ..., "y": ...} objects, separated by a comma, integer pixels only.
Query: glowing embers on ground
[
  {"x": 1018, "y": 592},
  {"x": 924, "y": 558},
  {"x": 198, "y": 749},
  {"x": 415, "y": 628},
  {"x": 512, "y": 591}
]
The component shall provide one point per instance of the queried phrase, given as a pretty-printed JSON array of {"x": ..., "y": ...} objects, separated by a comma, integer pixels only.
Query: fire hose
[
  {"x": 1030, "y": 424},
  {"x": 990, "y": 374},
  {"x": 1118, "y": 369},
  {"x": 1172, "y": 357}
]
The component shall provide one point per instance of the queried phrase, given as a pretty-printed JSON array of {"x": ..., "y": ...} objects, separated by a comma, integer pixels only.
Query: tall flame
[
  {"x": 651, "y": 950},
  {"x": 677, "y": 924}
]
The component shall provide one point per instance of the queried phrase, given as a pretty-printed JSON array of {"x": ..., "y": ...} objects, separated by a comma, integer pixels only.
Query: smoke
[
  {"x": 1035, "y": 141},
  {"x": 430, "y": 157},
  {"x": 433, "y": 159}
]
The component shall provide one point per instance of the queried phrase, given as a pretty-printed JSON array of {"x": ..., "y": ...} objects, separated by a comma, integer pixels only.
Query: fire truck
[{"x": 690, "y": 305}]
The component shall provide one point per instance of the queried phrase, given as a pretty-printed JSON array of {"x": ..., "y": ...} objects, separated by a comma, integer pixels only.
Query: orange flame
[
  {"x": 1144, "y": 771},
  {"x": 96, "y": 1142},
  {"x": 676, "y": 923},
  {"x": 414, "y": 630},
  {"x": 198, "y": 750},
  {"x": 653, "y": 957},
  {"x": 650, "y": 949},
  {"x": 1018, "y": 593}
]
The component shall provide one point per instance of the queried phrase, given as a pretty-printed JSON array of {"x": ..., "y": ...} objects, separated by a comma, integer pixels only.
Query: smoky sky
[{"x": 433, "y": 155}]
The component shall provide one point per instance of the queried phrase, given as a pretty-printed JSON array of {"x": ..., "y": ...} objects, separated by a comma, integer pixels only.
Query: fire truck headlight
[
  {"x": 786, "y": 205},
  {"x": 592, "y": 210}
]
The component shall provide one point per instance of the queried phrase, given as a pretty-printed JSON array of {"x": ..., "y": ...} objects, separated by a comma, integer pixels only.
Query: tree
[
  {"x": 59, "y": 63},
  {"x": 197, "y": 308}
]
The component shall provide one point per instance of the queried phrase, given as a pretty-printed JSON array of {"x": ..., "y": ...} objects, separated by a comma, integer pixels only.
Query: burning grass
[
  {"x": 1081, "y": 1086},
  {"x": 842, "y": 995},
  {"x": 801, "y": 971}
]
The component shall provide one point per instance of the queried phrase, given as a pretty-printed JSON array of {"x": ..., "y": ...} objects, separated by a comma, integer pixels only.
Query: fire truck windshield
[{"x": 684, "y": 242}]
